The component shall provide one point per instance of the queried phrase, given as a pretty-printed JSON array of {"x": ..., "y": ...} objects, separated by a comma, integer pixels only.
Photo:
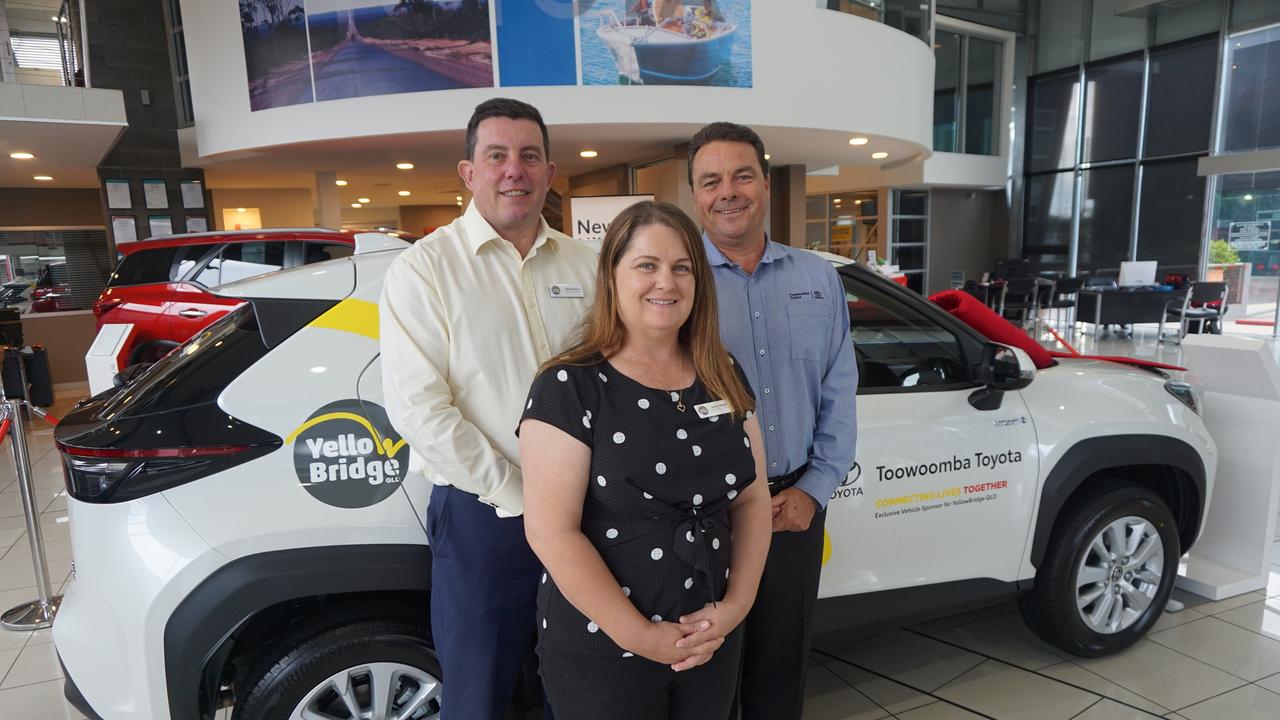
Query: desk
[{"x": 1121, "y": 307}]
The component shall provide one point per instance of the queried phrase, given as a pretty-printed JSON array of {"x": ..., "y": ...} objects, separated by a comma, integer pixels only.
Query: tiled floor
[{"x": 1211, "y": 661}]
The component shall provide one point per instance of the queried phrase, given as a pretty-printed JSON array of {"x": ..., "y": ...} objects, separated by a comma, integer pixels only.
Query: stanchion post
[{"x": 39, "y": 613}]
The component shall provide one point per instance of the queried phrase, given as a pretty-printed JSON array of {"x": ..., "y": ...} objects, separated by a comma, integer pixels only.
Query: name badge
[
  {"x": 567, "y": 290},
  {"x": 712, "y": 409}
]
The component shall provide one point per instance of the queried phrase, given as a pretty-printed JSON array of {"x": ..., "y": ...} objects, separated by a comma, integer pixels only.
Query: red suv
[{"x": 162, "y": 286}]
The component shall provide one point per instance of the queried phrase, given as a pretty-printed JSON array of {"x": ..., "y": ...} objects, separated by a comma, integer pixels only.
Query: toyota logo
[{"x": 854, "y": 474}]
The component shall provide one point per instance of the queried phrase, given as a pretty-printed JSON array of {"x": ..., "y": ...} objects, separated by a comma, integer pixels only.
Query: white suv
[{"x": 246, "y": 534}]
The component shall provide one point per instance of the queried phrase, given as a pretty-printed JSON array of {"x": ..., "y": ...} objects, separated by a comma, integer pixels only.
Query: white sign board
[
  {"x": 1253, "y": 235},
  {"x": 593, "y": 215}
]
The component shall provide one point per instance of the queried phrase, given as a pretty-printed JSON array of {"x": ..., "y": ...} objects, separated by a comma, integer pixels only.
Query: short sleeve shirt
[{"x": 658, "y": 494}]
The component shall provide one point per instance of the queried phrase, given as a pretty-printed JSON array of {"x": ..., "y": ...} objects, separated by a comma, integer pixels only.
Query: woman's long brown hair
[{"x": 601, "y": 333}]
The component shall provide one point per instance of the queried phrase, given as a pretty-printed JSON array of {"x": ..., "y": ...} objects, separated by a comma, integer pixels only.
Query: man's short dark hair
[
  {"x": 727, "y": 132},
  {"x": 505, "y": 108}
]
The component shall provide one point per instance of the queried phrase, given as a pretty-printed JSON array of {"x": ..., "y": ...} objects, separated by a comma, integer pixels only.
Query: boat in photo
[{"x": 668, "y": 54}]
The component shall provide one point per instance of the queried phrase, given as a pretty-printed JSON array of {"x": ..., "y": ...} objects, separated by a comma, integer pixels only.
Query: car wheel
[
  {"x": 1107, "y": 573},
  {"x": 150, "y": 353},
  {"x": 379, "y": 666}
]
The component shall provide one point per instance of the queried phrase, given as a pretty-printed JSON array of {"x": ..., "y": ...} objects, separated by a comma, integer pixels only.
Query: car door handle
[{"x": 192, "y": 313}]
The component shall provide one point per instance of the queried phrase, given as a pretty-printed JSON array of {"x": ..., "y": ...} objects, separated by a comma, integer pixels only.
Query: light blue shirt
[{"x": 788, "y": 325}]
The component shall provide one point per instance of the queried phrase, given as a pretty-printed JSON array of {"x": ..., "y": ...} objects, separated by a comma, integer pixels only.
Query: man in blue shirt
[{"x": 783, "y": 315}]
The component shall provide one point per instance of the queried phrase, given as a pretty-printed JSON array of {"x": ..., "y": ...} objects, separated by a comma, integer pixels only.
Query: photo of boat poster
[{"x": 666, "y": 42}]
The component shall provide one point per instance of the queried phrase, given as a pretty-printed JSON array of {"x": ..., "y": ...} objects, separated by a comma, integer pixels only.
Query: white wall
[{"x": 798, "y": 48}]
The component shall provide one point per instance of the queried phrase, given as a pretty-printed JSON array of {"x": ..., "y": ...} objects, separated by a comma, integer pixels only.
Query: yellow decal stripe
[
  {"x": 826, "y": 546},
  {"x": 359, "y": 317},
  {"x": 385, "y": 446}
]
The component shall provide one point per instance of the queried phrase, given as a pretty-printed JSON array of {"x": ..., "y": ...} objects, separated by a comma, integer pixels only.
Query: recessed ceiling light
[
  {"x": 363, "y": 200},
  {"x": 1248, "y": 197},
  {"x": 858, "y": 141},
  {"x": 458, "y": 198},
  {"x": 837, "y": 200},
  {"x": 340, "y": 183},
  {"x": 879, "y": 155},
  {"x": 588, "y": 153},
  {"x": 857, "y": 202},
  {"x": 404, "y": 193},
  {"x": 404, "y": 166},
  {"x": 356, "y": 205},
  {"x": 767, "y": 156},
  {"x": 239, "y": 209},
  {"x": 21, "y": 156},
  {"x": 43, "y": 178}
]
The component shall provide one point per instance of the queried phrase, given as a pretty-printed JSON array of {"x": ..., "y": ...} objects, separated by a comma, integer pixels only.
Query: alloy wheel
[
  {"x": 373, "y": 691},
  {"x": 1119, "y": 575}
]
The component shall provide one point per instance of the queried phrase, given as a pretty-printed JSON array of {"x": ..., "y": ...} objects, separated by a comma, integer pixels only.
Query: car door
[
  {"x": 942, "y": 491},
  {"x": 195, "y": 303}
]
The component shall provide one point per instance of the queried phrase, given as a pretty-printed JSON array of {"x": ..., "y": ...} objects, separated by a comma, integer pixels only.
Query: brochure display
[{"x": 1241, "y": 383}]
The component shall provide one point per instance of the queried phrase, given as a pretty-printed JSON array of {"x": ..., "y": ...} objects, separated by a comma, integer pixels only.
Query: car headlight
[{"x": 1184, "y": 392}]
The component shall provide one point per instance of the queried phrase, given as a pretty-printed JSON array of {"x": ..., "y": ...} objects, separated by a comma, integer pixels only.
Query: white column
[{"x": 328, "y": 204}]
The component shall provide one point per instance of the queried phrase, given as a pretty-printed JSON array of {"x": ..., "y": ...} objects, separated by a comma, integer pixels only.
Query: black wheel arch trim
[
  {"x": 220, "y": 604},
  {"x": 1093, "y": 455}
]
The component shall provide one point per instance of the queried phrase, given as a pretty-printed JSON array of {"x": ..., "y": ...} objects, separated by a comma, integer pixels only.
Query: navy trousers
[{"x": 484, "y": 584}]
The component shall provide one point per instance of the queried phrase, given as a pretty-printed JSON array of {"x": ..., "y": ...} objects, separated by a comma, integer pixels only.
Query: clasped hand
[{"x": 692, "y": 641}]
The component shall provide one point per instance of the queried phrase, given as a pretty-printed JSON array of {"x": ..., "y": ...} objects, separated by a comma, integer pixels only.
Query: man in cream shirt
[{"x": 467, "y": 316}]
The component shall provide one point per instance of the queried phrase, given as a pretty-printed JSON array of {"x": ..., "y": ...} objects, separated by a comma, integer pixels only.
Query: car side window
[
  {"x": 314, "y": 252},
  {"x": 238, "y": 261},
  {"x": 899, "y": 347}
]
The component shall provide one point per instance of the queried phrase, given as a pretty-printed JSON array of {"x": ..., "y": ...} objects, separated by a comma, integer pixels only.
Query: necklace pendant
[{"x": 680, "y": 405}]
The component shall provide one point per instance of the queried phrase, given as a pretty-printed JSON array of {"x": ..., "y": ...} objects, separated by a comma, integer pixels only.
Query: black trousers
[
  {"x": 775, "y": 650},
  {"x": 590, "y": 687}
]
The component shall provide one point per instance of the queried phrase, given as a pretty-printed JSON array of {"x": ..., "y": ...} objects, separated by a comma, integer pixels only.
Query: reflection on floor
[{"x": 1212, "y": 660}]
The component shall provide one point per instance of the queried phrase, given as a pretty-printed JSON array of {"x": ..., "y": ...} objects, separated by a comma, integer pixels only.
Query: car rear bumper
[{"x": 72, "y": 692}]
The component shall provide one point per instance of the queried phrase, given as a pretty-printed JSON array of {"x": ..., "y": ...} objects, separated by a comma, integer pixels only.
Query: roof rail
[{"x": 259, "y": 231}]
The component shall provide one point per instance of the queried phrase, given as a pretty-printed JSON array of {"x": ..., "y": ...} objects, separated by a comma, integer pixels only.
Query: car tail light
[{"x": 101, "y": 475}]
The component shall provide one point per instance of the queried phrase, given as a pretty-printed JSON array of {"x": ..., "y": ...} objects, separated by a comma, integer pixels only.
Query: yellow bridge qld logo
[{"x": 347, "y": 454}]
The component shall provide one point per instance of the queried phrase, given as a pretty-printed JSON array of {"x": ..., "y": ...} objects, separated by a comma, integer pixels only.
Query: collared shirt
[
  {"x": 465, "y": 323},
  {"x": 789, "y": 326}
]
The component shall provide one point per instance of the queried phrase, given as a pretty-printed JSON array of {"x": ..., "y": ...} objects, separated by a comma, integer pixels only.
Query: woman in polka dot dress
[{"x": 640, "y": 459}]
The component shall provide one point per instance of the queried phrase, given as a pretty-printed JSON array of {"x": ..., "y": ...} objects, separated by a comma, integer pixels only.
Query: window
[
  {"x": 321, "y": 251},
  {"x": 156, "y": 265},
  {"x": 966, "y": 94},
  {"x": 898, "y": 347},
  {"x": 1106, "y": 216},
  {"x": 1247, "y": 218},
  {"x": 1052, "y": 119},
  {"x": 36, "y": 52},
  {"x": 1252, "y": 105},
  {"x": 1180, "y": 99},
  {"x": 911, "y": 236},
  {"x": 1169, "y": 228},
  {"x": 238, "y": 261},
  {"x": 1247, "y": 14},
  {"x": 1113, "y": 104},
  {"x": 946, "y": 92},
  {"x": 910, "y": 16},
  {"x": 982, "y": 96},
  {"x": 843, "y": 223},
  {"x": 1050, "y": 199}
]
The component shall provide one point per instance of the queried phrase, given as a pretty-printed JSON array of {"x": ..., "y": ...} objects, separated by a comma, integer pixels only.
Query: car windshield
[{"x": 196, "y": 371}]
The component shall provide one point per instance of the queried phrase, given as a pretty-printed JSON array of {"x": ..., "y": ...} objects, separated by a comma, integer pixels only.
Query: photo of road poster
[
  {"x": 666, "y": 42},
  {"x": 373, "y": 47},
  {"x": 275, "y": 53}
]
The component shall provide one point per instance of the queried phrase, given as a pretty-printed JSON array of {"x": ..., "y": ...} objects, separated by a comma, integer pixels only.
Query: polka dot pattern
[{"x": 658, "y": 550}]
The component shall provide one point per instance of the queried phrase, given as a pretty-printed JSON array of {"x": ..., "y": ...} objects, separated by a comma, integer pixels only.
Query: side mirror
[{"x": 1005, "y": 368}]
